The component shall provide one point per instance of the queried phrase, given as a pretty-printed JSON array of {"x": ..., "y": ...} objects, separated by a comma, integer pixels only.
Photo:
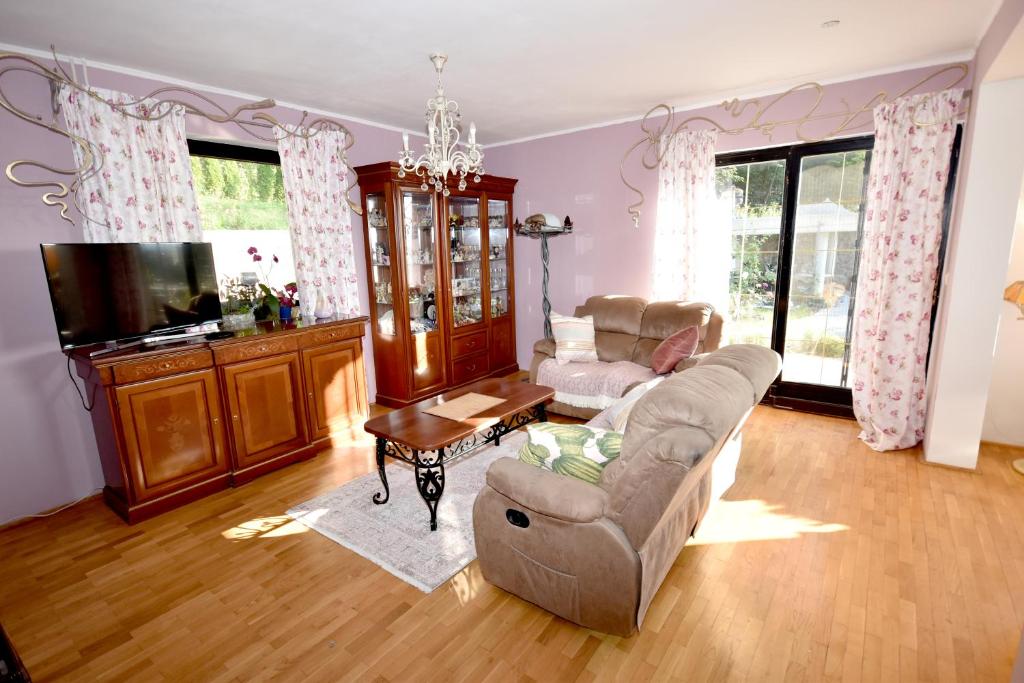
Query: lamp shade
[{"x": 1015, "y": 293}]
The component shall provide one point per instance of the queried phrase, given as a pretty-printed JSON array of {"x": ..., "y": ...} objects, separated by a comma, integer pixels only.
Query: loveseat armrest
[
  {"x": 691, "y": 362},
  {"x": 545, "y": 346},
  {"x": 547, "y": 493}
]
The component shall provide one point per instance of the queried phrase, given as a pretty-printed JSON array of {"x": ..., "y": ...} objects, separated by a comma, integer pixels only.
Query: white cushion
[
  {"x": 574, "y": 338},
  {"x": 618, "y": 413}
]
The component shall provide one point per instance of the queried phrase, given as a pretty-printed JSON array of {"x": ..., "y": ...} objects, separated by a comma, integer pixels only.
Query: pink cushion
[{"x": 673, "y": 349}]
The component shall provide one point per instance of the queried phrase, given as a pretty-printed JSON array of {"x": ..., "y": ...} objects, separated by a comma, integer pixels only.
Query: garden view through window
[
  {"x": 242, "y": 207},
  {"x": 813, "y": 291}
]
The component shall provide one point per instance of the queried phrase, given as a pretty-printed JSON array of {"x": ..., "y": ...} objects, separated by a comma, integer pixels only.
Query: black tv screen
[{"x": 109, "y": 292}]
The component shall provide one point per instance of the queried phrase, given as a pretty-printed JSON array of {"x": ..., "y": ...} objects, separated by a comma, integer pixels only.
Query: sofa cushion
[
  {"x": 573, "y": 450},
  {"x": 662, "y": 319},
  {"x": 574, "y": 338},
  {"x": 591, "y": 385},
  {"x": 675, "y": 348},
  {"x": 758, "y": 364},
  {"x": 618, "y": 413},
  {"x": 616, "y": 323}
]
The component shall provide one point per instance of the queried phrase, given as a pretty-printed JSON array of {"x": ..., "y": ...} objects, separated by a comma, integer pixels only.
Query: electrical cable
[{"x": 92, "y": 397}]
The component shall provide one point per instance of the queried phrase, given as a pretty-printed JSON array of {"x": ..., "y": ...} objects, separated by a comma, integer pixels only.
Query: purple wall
[
  {"x": 578, "y": 174},
  {"x": 47, "y": 449}
]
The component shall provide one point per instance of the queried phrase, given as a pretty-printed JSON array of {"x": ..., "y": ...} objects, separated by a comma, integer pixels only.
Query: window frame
[{"x": 818, "y": 398}]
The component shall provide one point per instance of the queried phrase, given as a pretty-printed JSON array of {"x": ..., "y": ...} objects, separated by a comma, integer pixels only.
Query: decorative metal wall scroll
[
  {"x": 253, "y": 118},
  {"x": 659, "y": 127}
]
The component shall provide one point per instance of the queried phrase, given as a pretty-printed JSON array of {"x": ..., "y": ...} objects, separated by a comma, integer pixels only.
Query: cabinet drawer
[
  {"x": 470, "y": 343},
  {"x": 258, "y": 348},
  {"x": 162, "y": 366},
  {"x": 335, "y": 333},
  {"x": 469, "y": 368}
]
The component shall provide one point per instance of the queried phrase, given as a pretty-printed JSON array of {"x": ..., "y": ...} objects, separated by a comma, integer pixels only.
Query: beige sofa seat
[
  {"x": 597, "y": 554},
  {"x": 628, "y": 328}
]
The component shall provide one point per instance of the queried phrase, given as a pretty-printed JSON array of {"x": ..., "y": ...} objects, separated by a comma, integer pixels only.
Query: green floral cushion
[{"x": 574, "y": 450}]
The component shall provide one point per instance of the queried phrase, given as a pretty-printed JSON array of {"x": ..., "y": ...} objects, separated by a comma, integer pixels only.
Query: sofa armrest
[
  {"x": 545, "y": 346},
  {"x": 691, "y": 362},
  {"x": 547, "y": 493}
]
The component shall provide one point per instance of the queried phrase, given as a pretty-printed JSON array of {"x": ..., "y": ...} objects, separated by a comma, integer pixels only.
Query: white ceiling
[{"x": 518, "y": 69}]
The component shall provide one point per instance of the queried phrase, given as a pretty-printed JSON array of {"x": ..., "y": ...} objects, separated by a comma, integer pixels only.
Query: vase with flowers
[
  {"x": 287, "y": 300},
  {"x": 266, "y": 306}
]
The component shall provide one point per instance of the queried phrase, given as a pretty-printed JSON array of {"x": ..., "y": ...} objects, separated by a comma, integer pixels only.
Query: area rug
[{"x": 397, "y": 535}]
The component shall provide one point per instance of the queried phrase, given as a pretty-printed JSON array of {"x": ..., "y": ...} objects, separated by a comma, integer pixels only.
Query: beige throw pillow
[{"x": 574, "y": 339}]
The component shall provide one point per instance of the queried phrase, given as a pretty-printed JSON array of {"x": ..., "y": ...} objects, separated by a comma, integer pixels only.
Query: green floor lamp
[{"x": 542, "y": 226}]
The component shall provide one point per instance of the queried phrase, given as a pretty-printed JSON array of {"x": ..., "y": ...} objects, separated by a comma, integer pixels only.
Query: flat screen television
[{"x": 119, "y": 292}]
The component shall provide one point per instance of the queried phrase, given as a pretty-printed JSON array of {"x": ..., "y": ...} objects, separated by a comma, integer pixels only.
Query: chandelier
[{"x": 443, "y": 154}]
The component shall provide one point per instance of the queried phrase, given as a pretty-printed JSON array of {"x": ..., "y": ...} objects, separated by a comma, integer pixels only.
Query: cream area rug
[{"x": 397, "y": 535}]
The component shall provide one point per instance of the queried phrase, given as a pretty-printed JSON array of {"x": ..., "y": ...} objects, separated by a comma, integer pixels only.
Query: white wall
[
  {"x": 1003, "y": 420},
  {"x": 964, "y": 344}
]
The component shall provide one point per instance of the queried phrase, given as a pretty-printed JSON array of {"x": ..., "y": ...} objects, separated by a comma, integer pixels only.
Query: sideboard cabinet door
[
  {"x": 265, "y": 408},
  {"x": 173, "y": 434},
  {"x": 335, "y": 386}
]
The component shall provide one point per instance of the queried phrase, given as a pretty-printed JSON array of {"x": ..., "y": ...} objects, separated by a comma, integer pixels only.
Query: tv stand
[{"x": 176, "y": 423}]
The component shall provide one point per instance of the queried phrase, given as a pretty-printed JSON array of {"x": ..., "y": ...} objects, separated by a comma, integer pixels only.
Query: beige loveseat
[
  {"x": 597, "y": 554},
  {"x": 627, "y": 330}
]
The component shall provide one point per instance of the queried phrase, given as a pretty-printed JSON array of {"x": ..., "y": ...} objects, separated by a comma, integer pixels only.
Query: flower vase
[{"x": 285, "y": 312}]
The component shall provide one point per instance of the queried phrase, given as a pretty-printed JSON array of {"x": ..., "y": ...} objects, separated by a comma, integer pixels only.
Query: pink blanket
[{"x": 591, "y": 385}]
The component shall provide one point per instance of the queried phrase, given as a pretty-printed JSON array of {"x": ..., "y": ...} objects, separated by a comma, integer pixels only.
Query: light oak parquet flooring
[{"x": 825, "y": 562}]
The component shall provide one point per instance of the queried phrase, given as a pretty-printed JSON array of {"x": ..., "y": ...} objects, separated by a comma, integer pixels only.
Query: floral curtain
[
  {"x": 691, "y": 246},
  {"x": 142, "y": 191},
  {"x": 898, "y": 266},
  {"x": 314, "y": 173}
]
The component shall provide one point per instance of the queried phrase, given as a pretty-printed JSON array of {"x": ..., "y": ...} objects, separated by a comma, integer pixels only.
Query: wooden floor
[{"x": 826, "y": 561}]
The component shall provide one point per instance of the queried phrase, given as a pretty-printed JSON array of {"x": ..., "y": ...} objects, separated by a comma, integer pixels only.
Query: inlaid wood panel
[
  {"x": 332, "y": 334},
  {"x": 172, "y": 431},
  {"x": 259, "y": 348},
  {"x": 265, "y": 407},
  {"x": 335, "y": 387},
  {"x": 163, "y": 366},
  {"x": 427, "y": 363},
  {"x": 503, "y": 343}
]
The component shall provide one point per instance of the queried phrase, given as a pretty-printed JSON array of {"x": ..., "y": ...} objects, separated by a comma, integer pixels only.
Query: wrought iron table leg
[
  {"x": 377, "y": 497},
  {"x": 430, "y": 482}
]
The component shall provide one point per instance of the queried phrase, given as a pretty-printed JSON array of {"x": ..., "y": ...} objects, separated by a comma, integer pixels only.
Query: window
[
  {"x": 797, "y": 220},
  {"x": 242, "y": 206}
]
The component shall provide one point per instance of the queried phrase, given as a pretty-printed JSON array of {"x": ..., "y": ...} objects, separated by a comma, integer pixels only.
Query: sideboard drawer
[
  {"x": 164, "y": 366},
  {"x": 258, "y": 348},
  {"x": 469, "y": 368},
  {"x": 329, "y": 335},
  {"x": 470, "y": 343}
]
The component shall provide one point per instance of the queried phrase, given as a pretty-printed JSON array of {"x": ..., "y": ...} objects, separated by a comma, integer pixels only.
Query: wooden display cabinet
[
  {"x": 182, "y": 421},
  {"x": 440, "y": 271}
]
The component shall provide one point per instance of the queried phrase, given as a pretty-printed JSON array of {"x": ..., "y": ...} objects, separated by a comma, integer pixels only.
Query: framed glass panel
[
  {"x": 466, "y": 254},
  {"x": 380, "y": 259},
  {"x": 497, "y": 246},
  {"x": 420, "y": 236}
]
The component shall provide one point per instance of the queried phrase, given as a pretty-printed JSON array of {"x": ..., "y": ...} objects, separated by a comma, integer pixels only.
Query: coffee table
[{"x": 427, "y": 441}]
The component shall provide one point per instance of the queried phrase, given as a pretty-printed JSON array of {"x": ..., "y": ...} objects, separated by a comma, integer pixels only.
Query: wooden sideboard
[{"x": 179, "y": 422}]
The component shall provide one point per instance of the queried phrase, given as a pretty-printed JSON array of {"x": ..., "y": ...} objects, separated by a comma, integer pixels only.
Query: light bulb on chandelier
[{"x": 443, "y": 154}]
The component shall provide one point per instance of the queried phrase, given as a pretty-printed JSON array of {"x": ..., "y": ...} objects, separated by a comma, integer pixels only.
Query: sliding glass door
[{"x": 797, "y": 216}]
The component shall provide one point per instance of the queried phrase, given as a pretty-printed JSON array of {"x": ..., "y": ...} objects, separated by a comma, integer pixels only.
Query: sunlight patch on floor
[
  {"x": 270, "y": 527},
  {"x": 737, "y": 521},
  {"x": 467, "y": 583}
]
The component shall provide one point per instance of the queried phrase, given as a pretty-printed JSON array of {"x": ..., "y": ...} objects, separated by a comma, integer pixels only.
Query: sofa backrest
[
  {"x": 673, "y": 427},
  {"x": 629, "y": 328}
]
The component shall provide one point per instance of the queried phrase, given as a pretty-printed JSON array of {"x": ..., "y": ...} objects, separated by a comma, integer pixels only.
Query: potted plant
[
  {"x": 237, "y": 299},
  {"x": 287, "y": 300},
  {"x": 266, "y": 306}
]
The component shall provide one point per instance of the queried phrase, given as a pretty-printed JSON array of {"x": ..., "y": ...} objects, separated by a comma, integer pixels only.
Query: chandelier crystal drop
[{"x": 443, "y": 154}]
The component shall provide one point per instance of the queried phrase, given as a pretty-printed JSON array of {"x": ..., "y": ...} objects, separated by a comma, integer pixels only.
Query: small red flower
[
  {"x": 256, "y": 257},
  {"x": 276, "y": 260},
  {"x": 251, "y": 250}
]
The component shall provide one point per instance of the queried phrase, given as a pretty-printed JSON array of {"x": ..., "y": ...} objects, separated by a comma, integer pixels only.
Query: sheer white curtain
[
  {"x": 314, "y": 173},
  {"x": 143, "y": 190},
  {"x": 691, "y": 242},
  {"x": 898, "y": 266}
]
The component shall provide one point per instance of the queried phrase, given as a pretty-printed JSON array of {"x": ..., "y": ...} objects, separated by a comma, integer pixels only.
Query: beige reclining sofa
[
  {"x": 627, "y": 330},
  {"x": 597, "y": 554}
]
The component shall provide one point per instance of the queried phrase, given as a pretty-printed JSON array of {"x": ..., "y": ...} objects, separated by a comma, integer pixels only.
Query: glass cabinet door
[
  {"x": 466, "y": 254},
  {"x": 380, "y": 260},
  {"x": 497, "y": 258},
  {"x": 420, "y": 235}
]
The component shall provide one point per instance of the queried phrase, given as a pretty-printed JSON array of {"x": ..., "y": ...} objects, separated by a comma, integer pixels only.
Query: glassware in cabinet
[
  {"x": 466, "y": 260},
  {"x": 378, "y": 236},
  {"x": 497, "y": 257},
  {"x": 420, "y": 235}
]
